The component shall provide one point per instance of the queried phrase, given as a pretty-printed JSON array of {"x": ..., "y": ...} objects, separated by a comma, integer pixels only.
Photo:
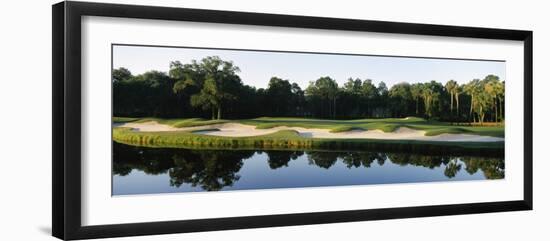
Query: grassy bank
[
  {"x": 289, "y": 139},
  {"x": 386, "y": 125}
]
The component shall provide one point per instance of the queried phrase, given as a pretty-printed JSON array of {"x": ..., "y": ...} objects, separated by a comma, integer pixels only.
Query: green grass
[
  {"x": 178, "y": 123},
  {"x": 345, "y": 128},
  {"x": 197, "y": 122},
  {"x": 267, "y": 125},
  {"x": 290, "y": 138},
  {"x": 124, "y": 119},
  {"x": 205, "y": 129},
  {"x": 386, "y": 124},
  {"x": 447, "y": 130},
  {"x": 170, "y": 122}
]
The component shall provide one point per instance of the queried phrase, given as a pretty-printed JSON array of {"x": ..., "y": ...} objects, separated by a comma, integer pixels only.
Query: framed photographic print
[{"x": 170, "y": 120}]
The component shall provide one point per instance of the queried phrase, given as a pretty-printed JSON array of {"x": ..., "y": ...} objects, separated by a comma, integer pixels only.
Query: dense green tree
[
  {"x": 279, "y": 92},
  {"x": 494, "y": 88},
  {"x": 121, "y": 74},
  {"x": 500, "y": 96},
  {"x": 326, "y": 89},
  {"x": 472, "y": 89},
  {"x": 369, "y": 93},
  {"x": 298, "y": 100},
  {"x": 217, "y": 80},
  {"x": 483, "y": 97},
  {"x": 452, "y": 88},
  {"x": 353, "y": 86},
  {"x": 351, "y": 100},
  {"x": 147, "y": 94},
  {"x": 401, "y": 99},
  {"x": 416, "y": 94},
  {"x": 382, "y": 89},
  {"x": 212, "y": 88},
  {"x": 482, "y": 101},
  {"x": 430, "y": 94}
]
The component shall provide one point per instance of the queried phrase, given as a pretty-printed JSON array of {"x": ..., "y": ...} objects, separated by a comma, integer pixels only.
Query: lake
[{"x": 143, "y": 170}]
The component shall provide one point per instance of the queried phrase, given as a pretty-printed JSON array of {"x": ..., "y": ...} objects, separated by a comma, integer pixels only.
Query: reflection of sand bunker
[{"x": 240, "y": 130}]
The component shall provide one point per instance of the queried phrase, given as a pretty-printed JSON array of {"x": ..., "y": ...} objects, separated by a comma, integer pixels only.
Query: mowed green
[
  {"x": 290, "y": 139},
  {"x": 386, "y": 124}
]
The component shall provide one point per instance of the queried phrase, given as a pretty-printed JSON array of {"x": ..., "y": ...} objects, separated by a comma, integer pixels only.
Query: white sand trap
[
  {"x": 151, "y": 126},
  {"x": 240, "y": 130},
  {"x": 232, "y": 130}
]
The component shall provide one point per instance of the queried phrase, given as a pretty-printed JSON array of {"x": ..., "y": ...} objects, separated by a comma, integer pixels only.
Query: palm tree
[
  {"x": 471, "y": 89},
  {"x": 416, "y": 93},
  {"x": 499, "y": 89},
  {"x": 490, "y": 88},
  {"x": 451, "y": 87},
  {"x": 458, "y": 91},
  {"x": 483, "y": 100},
  {"x": 429, "y": 95}
]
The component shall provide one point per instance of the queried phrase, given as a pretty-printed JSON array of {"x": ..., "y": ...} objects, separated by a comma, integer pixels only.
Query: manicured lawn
[
  {"x": 386, "y": 125},
  {"x": 290, "y": 139}
]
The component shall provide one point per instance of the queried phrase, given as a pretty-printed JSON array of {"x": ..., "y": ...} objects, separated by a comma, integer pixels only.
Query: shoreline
[
  {"x": 237, "y": 130},
  {"x": 288, "y": 140}
]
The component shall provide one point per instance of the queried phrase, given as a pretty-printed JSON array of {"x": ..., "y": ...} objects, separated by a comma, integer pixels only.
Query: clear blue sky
[{"x": 258, "y": 67}]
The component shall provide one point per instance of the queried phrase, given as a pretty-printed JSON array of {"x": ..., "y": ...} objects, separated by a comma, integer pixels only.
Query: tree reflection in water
[
  {"x": 492, "y": 168},
  {"x": 212, "y": 170},
  {"x": 277, "y": 159}
]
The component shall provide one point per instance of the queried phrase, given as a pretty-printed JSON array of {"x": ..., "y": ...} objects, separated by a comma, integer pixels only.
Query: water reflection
[
  {"x": 145, "y": 170},
  {"x": 277, "y": 159},
  {"x": 211, "y": 170}
]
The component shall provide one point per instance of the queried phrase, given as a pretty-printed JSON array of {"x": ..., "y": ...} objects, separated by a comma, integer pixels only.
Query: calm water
[{"x": 140, "y": 170}]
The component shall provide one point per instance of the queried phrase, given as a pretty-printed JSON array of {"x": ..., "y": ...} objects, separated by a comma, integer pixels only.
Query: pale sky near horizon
[{"x": 257, "y": 67}]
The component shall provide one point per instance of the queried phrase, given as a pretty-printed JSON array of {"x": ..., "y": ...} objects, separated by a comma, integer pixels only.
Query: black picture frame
[{"x": 66, "y": 158}]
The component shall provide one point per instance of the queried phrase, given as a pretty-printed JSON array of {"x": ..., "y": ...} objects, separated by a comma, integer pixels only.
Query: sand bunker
[{"x": 240, "y": 130}]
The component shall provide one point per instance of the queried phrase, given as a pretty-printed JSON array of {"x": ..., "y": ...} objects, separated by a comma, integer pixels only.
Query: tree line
[{"x": 212, "y": 88}]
